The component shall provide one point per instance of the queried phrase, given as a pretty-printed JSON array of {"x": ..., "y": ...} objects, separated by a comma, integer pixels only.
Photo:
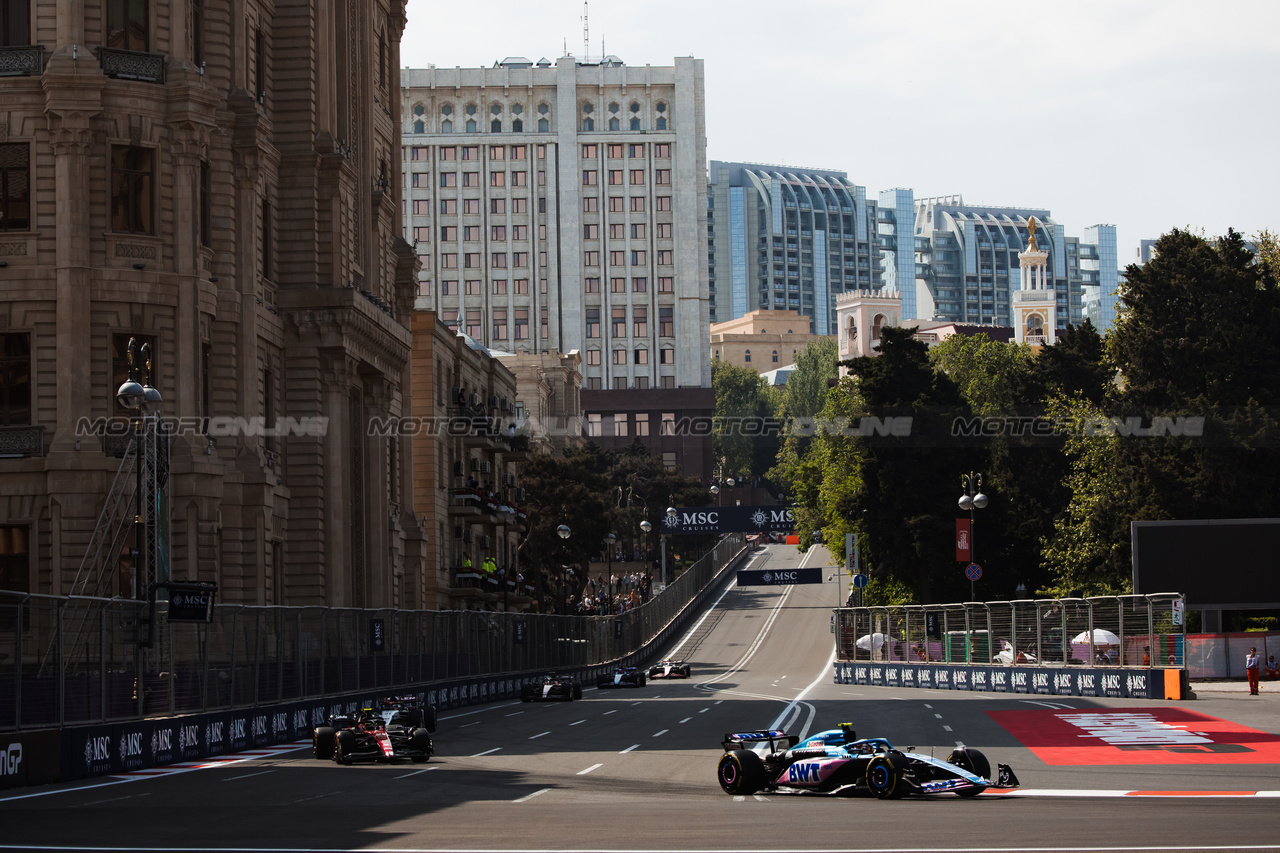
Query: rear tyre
[
  {"x": 420, "y": 740},
  {"x": 322, "y": 743},
  {"x": 973, "y": 761},
  {"x": 577, "y": 690},
  {"x": 884, "y": 778},
  {"x": 344, "y": 743},
  {"x": 429, "y": 719},
  {"x": 642, "y": 680},
  {"x": 741, "y": 772}
]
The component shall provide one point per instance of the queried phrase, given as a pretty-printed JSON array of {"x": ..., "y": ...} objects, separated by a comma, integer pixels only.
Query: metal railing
[
  {"x": 250, "y": 656},
  {"x": 1122, "y": 630}
]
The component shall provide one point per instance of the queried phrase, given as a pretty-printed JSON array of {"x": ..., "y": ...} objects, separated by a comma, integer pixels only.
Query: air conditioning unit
[
  {"x": 493, "y": 401},
  {"x": 466, "y": 536},
  {"x": 459, "y": 469},
  {"x": 520, "y": 494},
  {"x": 485, "y": 467},
  {"x": 506, "y": 405},
  {"x": 475, "y": 399},
  {"x": 508, "y": 480},
  {"x": 484, "y": 542},
  {"x": 475, "y": 464}
]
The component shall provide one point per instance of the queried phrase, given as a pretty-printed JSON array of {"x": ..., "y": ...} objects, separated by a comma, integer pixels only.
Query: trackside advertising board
[
  {"x": 778, "y": 577},
  {"x": 1111, "y": 682},
  {"x": 729, "y": 519}
]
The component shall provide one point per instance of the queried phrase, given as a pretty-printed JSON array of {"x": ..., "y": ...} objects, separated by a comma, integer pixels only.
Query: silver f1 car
[
  {"x": 837, "y": 761},
  {"x": 551, "y": 687},
  {"x": 671, "y": 669}
]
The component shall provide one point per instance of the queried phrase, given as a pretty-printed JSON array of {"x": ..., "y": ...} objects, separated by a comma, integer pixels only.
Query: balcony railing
[
  {"x": 21, "y": 61},
  {"x": 21, "y": 441},
  {"x": 132, "y": 64}
]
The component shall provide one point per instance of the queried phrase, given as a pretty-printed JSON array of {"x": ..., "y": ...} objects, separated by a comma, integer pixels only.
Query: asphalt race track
[{"x": 634, "y": 769}]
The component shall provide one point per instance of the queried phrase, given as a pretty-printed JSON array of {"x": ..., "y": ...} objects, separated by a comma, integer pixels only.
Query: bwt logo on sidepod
[
  {"x": 11, "y": 759},
  {"x": 804, "y": 773}
]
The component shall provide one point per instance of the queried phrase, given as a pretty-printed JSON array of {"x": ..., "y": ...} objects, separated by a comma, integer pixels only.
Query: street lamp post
[
  {"x": 144, "y": 400},
  {"x": 564, "y": 532},
  {"x": 671, "y": 518},
  {"x": 972, "y": 499},
  {"x": 609, "y": 539},
  {"x": 645, "y": 527}
]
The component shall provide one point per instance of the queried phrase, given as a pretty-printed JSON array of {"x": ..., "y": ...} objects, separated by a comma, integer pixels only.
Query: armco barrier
[
  {"x": 1057, "y": 681},
  {"x": 39, "y": 757}
]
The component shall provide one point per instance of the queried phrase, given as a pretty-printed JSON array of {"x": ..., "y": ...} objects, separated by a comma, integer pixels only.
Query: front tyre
[
  {"x": 344, "y": 746},
  {"x": 884, "y": 778},
  {"x": 973, "y": 761},
  {"x": 420, "y": 741},
  {"x": 322, "y": 743},
  {"x": 741, "y": 772}
]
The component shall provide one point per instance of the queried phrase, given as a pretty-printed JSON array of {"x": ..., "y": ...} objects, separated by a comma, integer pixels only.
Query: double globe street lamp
[
  {"x": 972, "y": 499},
  {"x": 564, "y": 533}
]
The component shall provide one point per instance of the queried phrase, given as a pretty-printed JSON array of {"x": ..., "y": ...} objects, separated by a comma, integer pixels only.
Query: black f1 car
[
  {"x": 837, "y": 761},
  {"x": 622, "y": 676},
  {"x": 671, "y": 669},
  {"x": 550, "y": 687},
  {"x": 372, "y": 735}
]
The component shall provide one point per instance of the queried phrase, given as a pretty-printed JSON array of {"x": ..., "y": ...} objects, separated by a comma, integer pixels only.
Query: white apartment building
[{"x": 562, "y": 207}]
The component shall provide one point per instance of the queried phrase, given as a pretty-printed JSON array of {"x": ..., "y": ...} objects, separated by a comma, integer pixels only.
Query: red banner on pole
[{"x": 964, "y": 549}]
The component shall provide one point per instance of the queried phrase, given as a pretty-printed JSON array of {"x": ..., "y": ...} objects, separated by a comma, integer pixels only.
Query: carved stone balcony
[
  {"x": 132, "y": 64},
  {"x": 21, "y": 61},
  {"x": 21, "y": 441}
]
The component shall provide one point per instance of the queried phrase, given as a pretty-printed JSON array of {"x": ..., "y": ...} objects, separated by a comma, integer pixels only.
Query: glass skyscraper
[{"x": 787, "y": 238}]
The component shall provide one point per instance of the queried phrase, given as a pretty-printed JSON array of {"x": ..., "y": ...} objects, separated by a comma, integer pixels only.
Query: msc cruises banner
[
  {"x": 1068, "y": 681},
  {"x": 778, "y": 577},
  {"x": 729, "y": 519}
]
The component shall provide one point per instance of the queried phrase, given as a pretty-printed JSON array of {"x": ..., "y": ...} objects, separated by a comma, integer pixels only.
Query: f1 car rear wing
[{"x": 745, "y": 740}]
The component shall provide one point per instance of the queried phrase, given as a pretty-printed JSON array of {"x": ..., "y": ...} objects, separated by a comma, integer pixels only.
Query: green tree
[
  {"x": 805, "y": 393},
  {"x": 745, "y": 410}
]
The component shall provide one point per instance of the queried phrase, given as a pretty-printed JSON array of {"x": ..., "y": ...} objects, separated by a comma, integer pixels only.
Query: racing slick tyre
[
  {"x": 345, "y": 741},
  {"x": 420, "y": 739},
  {"x": 415, "y": 718},
  {"x": 884, "y": 778},
  {"x": 322, "y": 742},
  {"x": 642, "y": 679},
  {"x": 741, "y": 772},
  {"x": 429, "y": 719},
  {"x": 577, "y": 691},
  {"x": 973, "y": 761}
]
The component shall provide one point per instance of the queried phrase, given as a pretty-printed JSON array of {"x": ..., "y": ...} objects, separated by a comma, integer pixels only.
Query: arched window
[
  {"x": 875, "y": 327},
  {"x": 661, "y": 123},
  {"x": 517, "y": 126},
  {"x": 471, "y": 125},
  {"x": 853, "y": 333},
  {"x": 1035, "y": 325},
  {"x": 613, "y": 124},
  {"x": 588, "y": 124},
  {"x": 419, "y": 127},
  {"x": 775, "y": 356},
  {"x": 446, "y": 127},
  {"x": 544, "y": 126},
  {"x": 635, "y": 124},
  {"x": 495, "y": 126},
  {"x": 746, "y": 356}
]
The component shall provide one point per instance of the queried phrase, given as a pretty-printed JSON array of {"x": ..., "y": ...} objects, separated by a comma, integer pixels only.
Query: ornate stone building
[{"x": 219, "y": 179}]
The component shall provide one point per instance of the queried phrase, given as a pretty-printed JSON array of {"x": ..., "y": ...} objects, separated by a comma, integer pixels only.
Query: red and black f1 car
[
  {"x": 837, "y": 761},
  {"x": 371, "y": 735},
  {"x": 550, "y": 687}
]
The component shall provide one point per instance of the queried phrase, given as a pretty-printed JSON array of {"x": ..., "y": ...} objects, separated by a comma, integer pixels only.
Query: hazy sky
[{"x": 1145, "y": 115}]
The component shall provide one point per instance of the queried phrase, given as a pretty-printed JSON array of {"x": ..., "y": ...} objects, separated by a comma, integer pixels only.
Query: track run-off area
[{"x": 634, "y": 769}]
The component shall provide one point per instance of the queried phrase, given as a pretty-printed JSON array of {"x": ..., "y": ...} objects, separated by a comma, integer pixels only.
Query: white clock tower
[{"x": 1034, "y": 303}]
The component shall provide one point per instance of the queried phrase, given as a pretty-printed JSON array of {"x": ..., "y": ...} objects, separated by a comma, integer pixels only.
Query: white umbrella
[
  {"x": 866, "y": 641},
  {"x": 1101, "y": 637}
]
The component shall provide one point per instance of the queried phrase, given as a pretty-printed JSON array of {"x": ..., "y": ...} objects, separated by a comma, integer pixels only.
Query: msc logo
[
  {"x": 214, "y": 732},
  {"x": 97, "y": 749},
  {"x": 260, "y": 726},
  {"x": 1062, "y": 681},
  {"x": 961, "y": 679},
  {"x": 11, "y": 759},
  {"x": 238, "y": 728},
  {"x": 1088, "y": 682},
  {"x": 130, "y": 744},
  {"x": 188, "y": 736},
  {"x": 1040, "y": 681},
  {"x": 942, "y": 677},
  {"x": 804, "y": 773},
  {"x": 860, "y": 674},
  {"x": 925, "y": 677},
  {"x": 1137, "y": 684},
  {"x": 908, "y": 678},
  {"x": 980, "y": 679},
  {"x": 280, "y": 722},
  {"x": 700, "y": 518},
  {"x": 1020, "y": 680}
]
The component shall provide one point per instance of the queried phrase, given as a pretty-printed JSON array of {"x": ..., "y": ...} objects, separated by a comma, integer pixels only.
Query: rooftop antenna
[{"x": 586, "y": 33}]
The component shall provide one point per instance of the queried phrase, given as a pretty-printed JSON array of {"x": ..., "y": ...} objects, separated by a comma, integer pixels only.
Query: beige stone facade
[
  {"x": 467, "y": 447},
  {"x": 221, "y": 180},
  {"x": 762, "y": 340}
]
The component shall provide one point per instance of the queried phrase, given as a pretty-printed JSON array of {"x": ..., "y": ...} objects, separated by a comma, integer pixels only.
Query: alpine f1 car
[
  {"x": 371, "y": 735},
  {"x": 550, "y": 687},
  {"x": 837, "y": 761},
  {"x": 407, "y": 711},
  {"x": 622, "y": 676},
  {"x": 671, "y": 669}
]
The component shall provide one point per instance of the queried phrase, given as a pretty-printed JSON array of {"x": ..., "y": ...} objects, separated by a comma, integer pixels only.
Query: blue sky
[{"x": 1145, "y": 115}]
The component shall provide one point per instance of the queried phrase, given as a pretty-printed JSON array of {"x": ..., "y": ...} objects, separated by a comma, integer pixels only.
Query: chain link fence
[
  {"x": 1122, "y": 630},
  {"x": 67, "y": 660}
]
